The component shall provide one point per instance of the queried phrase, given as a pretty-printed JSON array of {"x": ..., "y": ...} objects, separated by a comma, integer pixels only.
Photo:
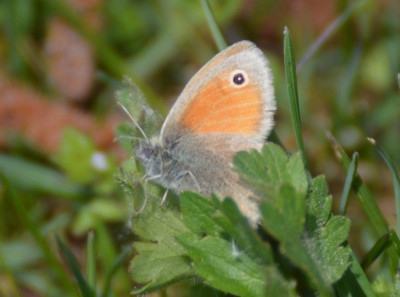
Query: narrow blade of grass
[
  {"x": 395, "y": 241},
  {"x": 291, "y": 81},
  {"x": 376, "y": 251},
  {"x": 83, "y": 285},
  {"x": 215, "y": 31},
  {"x": 91, "y": 261},
  {"x": 395, "y": 176},
  {"x": 348, "y": 183}
]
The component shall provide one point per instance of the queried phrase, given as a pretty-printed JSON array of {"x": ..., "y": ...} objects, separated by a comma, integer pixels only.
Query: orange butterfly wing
[
  {"x": 213, "y": 102},
  {"x": 219, "y": 107}
]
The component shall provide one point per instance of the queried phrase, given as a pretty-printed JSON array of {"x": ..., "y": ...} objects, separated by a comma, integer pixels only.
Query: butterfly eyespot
[{"x": 239, "y": 79}]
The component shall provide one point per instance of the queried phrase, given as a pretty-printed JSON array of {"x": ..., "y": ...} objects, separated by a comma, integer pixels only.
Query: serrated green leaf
[
  {"x": 215, "y": 261},
  {"x": 334, "y": 258},
  {"x": 282, "y": 182},
  {"x": 318, "y": 209},
  {"x": 327, "y": 233},
  {"x": 299, "y": 253},
  {"x": 337, "y": 228},
  {"x": 209, "y": 216},
  {"x": 296, "y": 175},
  {"x": 158, "y": 265},
  {"x": 285, "y": 218},
  {"x": 266, "y": 171},
  {"x": 237, "y": 226},
  {"x": 161, "y": 260},
  {"x": 198, "y": 212},
  {"x": 251, "y": 165},
  {"x": 276, "y": 159}
]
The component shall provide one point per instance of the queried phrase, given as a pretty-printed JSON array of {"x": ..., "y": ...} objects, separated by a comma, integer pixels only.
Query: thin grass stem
[
  {"x": 291, "y": 82},
  {"x": 348, "y": 183},
  {"x": 215, "y": 31}
]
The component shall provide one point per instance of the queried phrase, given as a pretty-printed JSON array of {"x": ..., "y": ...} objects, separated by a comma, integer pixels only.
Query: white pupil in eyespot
[{"x": 238, "y": 79}]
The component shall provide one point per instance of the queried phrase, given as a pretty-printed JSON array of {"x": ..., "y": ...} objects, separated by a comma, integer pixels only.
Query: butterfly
[{"x": 228, "y": 106}]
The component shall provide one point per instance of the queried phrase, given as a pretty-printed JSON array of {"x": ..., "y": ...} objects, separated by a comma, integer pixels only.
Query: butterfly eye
[
  {"x": 147, "y": 152},
  {"x": 239, "y": 78}
]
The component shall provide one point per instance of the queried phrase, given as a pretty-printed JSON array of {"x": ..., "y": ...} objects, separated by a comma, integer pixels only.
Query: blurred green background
[{"x": 62, "y": 61}]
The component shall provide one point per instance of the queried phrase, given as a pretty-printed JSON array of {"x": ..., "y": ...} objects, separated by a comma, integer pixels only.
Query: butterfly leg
[
  {"x": 188, "y": 172},
  {"x": 146, "y": 197}
]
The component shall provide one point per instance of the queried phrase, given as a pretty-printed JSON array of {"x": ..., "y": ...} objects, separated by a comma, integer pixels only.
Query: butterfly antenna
[{"x": 133, "y": 120}]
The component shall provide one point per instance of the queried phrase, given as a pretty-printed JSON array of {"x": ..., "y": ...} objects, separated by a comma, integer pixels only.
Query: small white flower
[{"x": 99, "y": 161}]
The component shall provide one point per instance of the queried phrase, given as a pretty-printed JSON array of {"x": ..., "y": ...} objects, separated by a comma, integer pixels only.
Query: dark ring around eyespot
[{"x": 239, "y": 78}]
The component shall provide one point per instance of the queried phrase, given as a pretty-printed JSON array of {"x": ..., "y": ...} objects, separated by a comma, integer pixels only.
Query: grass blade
[
  {"x": 291, "y": 81},
  {"x": 376, "y": 251},
  {"x": 348, "y": 183},
  {"x": 395, "y": 176},
  {"x": 215, "y": 31},
  {"x": 395, "y": 241},
  {"x": 83, "y": 285}
]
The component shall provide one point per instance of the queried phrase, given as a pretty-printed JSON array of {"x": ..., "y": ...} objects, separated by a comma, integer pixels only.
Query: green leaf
[
  {"x": 301, "y": 220},
  {"x": 266, "y": 171},
  {"x": 160, "y": 260},
  {"x": 199, "y": 212},
  {"x": 327, "y": 233},
  {"x": 216, "y": 262},
  {"x": 285, "y": 218},
  {"x": 209, "y": 216},
  {"x": 237, "y": 226},
  {"x": 318, "y": 209}
]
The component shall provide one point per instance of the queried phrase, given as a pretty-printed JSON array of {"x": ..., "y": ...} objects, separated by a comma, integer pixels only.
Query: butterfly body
[{"x": 226, "y": 107}]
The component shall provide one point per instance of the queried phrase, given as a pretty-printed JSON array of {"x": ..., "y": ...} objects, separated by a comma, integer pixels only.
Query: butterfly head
[{"x": 149, "y": 154}]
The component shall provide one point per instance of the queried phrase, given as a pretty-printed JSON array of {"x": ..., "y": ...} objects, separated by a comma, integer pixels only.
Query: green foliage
[
  {"x": 228, "y": 254},
  {"x": 160, "y": 260}
]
